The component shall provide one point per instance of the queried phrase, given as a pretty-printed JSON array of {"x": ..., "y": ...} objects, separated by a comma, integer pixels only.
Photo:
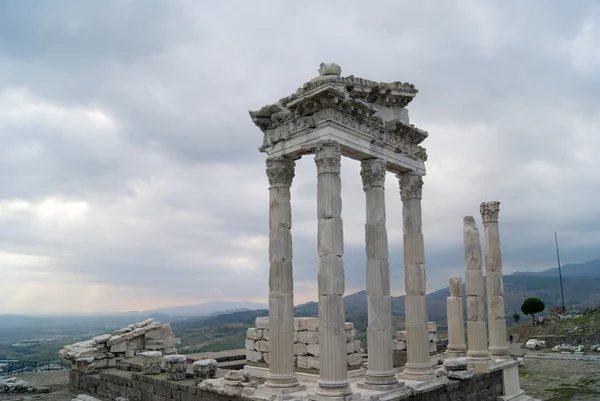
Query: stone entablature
[{"x": 372, "y": 113}]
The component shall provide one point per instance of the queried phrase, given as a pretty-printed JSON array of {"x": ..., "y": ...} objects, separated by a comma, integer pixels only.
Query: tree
[
  {"x": 531, "y": 306},
  {"x": 516, "y": 317}
]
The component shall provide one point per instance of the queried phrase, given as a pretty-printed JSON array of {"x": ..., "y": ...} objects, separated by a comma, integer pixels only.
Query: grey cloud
[{"x": 176, "y": 190}]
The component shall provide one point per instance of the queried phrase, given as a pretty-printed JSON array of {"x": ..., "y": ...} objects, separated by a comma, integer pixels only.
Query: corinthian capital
[
  {"x": 373, "y": 172},
  {"x": 489, "y": 211},
  {"x": 411, "y": 185},
  {"x": 328, "y": 156},
  {"x": 280, "y": 171}
]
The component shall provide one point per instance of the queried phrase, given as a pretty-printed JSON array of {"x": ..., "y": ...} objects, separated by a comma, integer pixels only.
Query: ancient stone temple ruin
[
  {"x": 300, "y": 359},
  {"x": 333, "y": 116}
]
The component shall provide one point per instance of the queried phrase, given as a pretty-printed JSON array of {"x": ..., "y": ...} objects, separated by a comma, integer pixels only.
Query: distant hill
[
  {"x": 586, "y": 269},
  {"x": 207, "y": 308}
]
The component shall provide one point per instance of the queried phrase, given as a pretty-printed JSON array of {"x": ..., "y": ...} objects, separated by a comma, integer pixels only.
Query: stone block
[
  {"x": 295, "y": 336},
  {"x": 433, "y": 337},
  {"x": 151, "y": 362},
  {"x": 350, "y": 347},
  {"x": 312, "y": 324},
  {"x": 262, "y": 322},
  {"x": 266, "y": 334},
  {"x": 262, "y": 346},
  {"x": 401, "y": 336},
  {"x": 119, "y": 347},
  {"x": 308, "y": 337},
  {"x": 398, "y": 345},
  {"x": 249, "y": 344},
  {"x": 254, "y": 356},
  {"x": 354, "y": 359},
  {"x": 266, "y": 356},
  {"x": 348, "y": 326},
  {"x": 313, "y": 349},
  {"x": 432, "y": 347},
  {"x": 350, "y": 334},
  {"x": 300, "y": 349},
  {"x": 308, "y": 362},
  {"x": 102, "y": 338},
  {"x": 169, "y": 351},
  {"x": 136, "y": 343},
  {"x": 175, "y": 366},
  {"x": 204, "y": 369},
  {"x": 432, "y": 327},
  {"x": 357, "y": 345},
  {"x": 254, "y": 334},
  {"x": 300, "y": 324}
]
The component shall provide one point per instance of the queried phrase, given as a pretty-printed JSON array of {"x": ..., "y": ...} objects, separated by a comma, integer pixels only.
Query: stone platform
[{"x": 112, "y": 383}]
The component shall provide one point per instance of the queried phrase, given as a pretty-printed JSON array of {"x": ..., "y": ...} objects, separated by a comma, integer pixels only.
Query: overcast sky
[{"x": 129, "y": 171}]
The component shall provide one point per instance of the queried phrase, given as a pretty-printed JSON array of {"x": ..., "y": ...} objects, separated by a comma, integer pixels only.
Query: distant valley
[{"x": 222, "y": 325}]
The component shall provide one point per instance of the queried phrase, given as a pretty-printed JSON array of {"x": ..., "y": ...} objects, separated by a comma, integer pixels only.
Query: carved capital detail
[
  {"x": 373, "y": 172},
  {"x": 489, "y": 211},
  {"x": 328, "y": 157},
  {"x": 411, "y": 185},
  {"x": 280, "y": 171}
]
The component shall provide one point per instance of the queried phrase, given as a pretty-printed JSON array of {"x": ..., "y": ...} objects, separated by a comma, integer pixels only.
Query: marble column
[
  {"x": 456, "y": 323},
  {"x": 280, "y": 172},
  {"x": 333, "y": 375},
  {"x": 418, "y": 365},
  {"x": 381, "y": 373},
  {"x": 494, "y": 282},
  {"x": 477, "y": 353}
]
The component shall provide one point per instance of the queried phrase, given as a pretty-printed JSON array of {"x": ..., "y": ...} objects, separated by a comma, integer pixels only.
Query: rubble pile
[
  {"x": 14, "y": 385},
  {"x": 306, "y": 343},
  {"x": 106, "y": 350},
  {"x": 568, "y": 348}
]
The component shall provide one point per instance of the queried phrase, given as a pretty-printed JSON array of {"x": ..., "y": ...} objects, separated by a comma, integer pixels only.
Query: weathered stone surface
[
  {"x": 204, "y": 369},
  {"x": 175, "y": 366},
  {"x": 455, "y": 364}
]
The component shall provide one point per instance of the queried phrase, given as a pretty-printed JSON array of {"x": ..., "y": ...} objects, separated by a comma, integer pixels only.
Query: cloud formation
[{"x": 129, "y": 170}]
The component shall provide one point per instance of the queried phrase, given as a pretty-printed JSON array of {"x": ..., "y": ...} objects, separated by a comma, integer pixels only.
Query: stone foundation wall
[
  {"x": 111, "y": 384},
  {"x": 138, "y": 387},
  {"x": 306, "y": 344}
]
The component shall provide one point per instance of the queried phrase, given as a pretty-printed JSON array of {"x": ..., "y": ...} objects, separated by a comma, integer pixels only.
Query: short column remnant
[
  {"x": 418, "y": 364},
  {"x": 494, "y": 282},
  {"x": 151, "y": 362},
  {"x": 281, "y": 378},
  {"x": 456, "y": 324},
  {"x": 175, "y": 366},
  {"x": 380, "y": 373},
  {"x": 333, "y": 374},
  {"x": 477, "y": 354},
  {"x": 204, "y": 369}
]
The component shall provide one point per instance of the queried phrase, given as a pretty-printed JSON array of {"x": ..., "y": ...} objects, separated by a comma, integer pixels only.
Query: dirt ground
[
  {"x": 57, "y": 383},
  {"x": 561, "y": 380}
]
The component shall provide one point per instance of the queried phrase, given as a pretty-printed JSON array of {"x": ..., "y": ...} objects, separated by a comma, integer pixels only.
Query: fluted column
[
  {"x": 477, "y": 353},
  {"x": 494, "y": 282},
  {"x": 333, "y": 375},
  {"x": 280, "y": 171},
  {"x": 381, "y": 373},
  {"x": 418, "y": 365},
  {"x": 456, "y": 323}
]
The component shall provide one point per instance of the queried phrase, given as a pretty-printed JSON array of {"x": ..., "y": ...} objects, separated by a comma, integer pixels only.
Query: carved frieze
[{"x": 489, "y": 211}]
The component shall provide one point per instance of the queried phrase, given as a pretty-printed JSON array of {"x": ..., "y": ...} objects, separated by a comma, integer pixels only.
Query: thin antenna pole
[{"x": 562, "y": 296}]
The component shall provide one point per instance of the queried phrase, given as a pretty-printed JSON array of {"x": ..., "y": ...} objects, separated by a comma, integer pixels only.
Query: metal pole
[{"x": 562, "y": 296}]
